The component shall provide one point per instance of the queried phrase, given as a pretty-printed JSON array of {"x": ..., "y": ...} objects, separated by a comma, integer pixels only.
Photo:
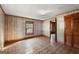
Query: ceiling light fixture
[{"x": 43, "y": 12}]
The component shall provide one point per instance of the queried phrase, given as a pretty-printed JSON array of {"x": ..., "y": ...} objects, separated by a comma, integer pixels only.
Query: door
[
  {"x": 68, "y": 30},
  {"x": 76, "y": 30}
]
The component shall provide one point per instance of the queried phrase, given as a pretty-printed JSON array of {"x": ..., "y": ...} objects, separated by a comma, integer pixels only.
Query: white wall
[
  {"x": 60, "y": 28},
  {"x": 46, "y": 28}
]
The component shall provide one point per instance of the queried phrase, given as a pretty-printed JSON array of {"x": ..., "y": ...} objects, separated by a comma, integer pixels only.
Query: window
[{"x": 29, "y": 27}]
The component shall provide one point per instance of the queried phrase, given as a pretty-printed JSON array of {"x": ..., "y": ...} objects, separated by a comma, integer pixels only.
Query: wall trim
[
  {"x": 24, "y": 17},
  {"x": 25, "y": 38},
  {"x": 2, "y": 9}
]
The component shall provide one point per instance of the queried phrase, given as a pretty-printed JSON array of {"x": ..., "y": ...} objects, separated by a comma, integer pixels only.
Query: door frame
[{"x": 55, "y": 31}]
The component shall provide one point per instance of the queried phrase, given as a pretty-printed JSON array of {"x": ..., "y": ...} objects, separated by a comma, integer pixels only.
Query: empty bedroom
[{"x": 39, "y": 28}]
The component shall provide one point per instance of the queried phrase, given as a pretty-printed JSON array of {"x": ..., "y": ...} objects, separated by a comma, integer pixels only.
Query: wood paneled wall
[
  {"x": 72, "y": 30},
  {"x": 2, "y": 18},
  {"x": 15, "y": 27}
]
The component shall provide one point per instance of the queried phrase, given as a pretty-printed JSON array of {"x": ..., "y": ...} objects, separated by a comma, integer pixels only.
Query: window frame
[{"x": 29, "y": 22}]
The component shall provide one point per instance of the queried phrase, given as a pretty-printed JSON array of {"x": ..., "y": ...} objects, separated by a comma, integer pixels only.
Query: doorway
[{"x": 53, "y": 31}]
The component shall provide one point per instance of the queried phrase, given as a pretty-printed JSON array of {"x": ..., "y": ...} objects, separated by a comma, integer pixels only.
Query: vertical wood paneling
[
  {"x": 2, "y": 17},
  {"x": 15, "y": 27},
  {"x": 72, "y": 30}
]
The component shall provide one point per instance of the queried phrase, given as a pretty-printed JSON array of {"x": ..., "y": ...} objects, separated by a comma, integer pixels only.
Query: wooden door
[
  {"x": 76, "y": 30},
  {"x": 68, "y": 30}
]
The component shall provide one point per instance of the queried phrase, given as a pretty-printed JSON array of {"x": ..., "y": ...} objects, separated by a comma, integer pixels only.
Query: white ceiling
[{"x": 38, "y": 11}]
